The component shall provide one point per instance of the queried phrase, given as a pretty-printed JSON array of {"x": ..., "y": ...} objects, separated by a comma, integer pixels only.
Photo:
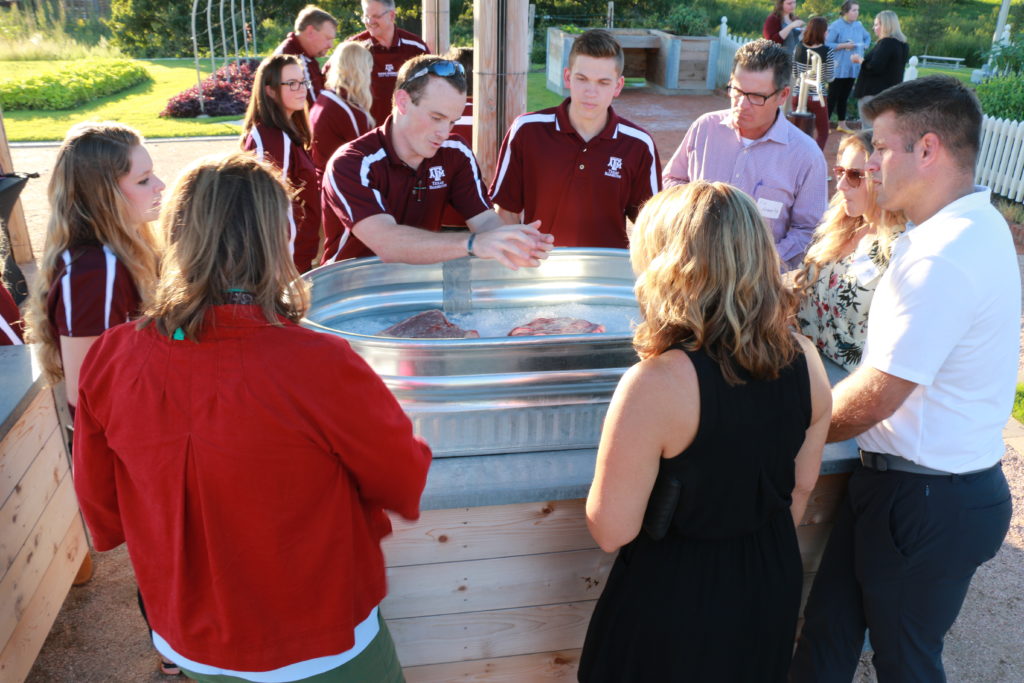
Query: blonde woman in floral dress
[{"x": 850, "y": 251}]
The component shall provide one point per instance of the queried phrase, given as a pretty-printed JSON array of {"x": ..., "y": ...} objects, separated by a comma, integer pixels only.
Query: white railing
[
  {"x": 1001, "y": 159},
  {"x": 728, "y": 44}
]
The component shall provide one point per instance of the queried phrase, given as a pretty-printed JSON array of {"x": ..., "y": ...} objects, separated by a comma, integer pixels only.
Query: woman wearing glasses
[
  {"x": 276, "y": 130},
  {"x": 342, "y": 111},
  {"x": 850, "y": 251}
]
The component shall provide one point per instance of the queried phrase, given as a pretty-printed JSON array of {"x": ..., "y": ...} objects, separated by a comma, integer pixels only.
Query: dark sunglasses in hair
[
  {"x": 853, "y": 175},
  {"x": 445, "y": 68}
]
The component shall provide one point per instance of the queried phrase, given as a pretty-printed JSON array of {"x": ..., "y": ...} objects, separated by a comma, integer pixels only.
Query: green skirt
[{"x": 377, "y": 663}]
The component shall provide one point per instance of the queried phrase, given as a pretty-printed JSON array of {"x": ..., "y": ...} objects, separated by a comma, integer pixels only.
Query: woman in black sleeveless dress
[{"x": 730, "y": 403}]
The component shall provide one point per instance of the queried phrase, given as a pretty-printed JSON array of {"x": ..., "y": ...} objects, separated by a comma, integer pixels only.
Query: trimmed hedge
[
  {"x": 72, "y": 85},
  {"x": 1002, "y": 97},
  {"x": 225, "y": 93}
]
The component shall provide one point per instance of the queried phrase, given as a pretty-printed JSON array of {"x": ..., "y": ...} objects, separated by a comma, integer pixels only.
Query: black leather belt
[{"x": 883, "y": 462}]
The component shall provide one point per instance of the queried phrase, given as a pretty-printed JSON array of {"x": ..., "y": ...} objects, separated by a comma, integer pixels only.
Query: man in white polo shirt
[{"x": 927, "y": 405}]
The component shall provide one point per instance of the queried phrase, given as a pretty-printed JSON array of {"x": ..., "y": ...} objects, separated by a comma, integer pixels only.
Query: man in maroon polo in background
[
  {"x": 384, "y": 193},
  {"x": 580, "y": 168},
  {"x": 313, "y": 37},
  {"x": 390, "y": 46}
]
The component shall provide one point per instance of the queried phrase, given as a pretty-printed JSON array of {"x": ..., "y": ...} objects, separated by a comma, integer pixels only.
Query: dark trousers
[
  {"x": 838, "y": 93},
  {"x": 820, "y": 119},
  {"x": 900, "y": 558}
]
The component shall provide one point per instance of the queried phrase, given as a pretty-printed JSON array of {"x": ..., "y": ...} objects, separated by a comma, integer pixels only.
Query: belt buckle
[{"x": 875, "y": 461}]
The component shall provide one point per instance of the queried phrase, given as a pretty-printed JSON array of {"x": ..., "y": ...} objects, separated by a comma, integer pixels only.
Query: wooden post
[
  {"x": 501, "y": 60},
  {"x": 437, "y": 25},
  {"x": 611, "y": 15},
  {"x": 21, "y": 247}
]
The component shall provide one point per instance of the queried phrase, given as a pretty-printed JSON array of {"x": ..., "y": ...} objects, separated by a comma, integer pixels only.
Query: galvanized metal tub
[{"x": 493, "y": 394}]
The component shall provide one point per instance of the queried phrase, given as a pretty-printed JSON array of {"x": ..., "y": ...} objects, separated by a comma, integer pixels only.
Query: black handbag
[{"x": 661, "y": 507}]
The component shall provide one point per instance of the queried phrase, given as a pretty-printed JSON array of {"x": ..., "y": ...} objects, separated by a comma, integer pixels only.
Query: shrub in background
[
  {"x": 1002, "y": 97},
  {"x": 225, "y": 93},
  {"x": 72, "y": 85},
  {"x": 42, "y": 32}
]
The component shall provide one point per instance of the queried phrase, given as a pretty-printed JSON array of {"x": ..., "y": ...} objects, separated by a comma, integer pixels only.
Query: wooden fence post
[
  {"x": 501, "y": 61},
  {"x": 21, "y": 247},
  {"x": 437, "y": 25}
]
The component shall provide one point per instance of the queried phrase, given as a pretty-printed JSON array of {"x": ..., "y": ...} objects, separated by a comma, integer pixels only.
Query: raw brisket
[
  {"x": 540, "y": 326},
  {"x": 428, "y": 325}
]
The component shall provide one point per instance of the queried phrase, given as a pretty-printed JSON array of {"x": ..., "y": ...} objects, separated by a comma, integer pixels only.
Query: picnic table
[{"x": 933, "y": 60}]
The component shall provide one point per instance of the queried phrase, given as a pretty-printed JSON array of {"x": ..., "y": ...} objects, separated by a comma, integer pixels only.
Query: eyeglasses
[
  {"x": 375, "y": 17},
  {"x": 852, "y": 175},
  {"x": 756, "y": 99},
  {"x": 444, "y": 68},
  {"x": 296, "y": 85}
]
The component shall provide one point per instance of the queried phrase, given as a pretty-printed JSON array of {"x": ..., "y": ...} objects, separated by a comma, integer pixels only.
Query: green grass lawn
[
  {"x": 138, "y": 106},
  {"x": 141, "y": 105},
  {"x": 963, "y": 73},
  {"x": 1018, "y": 404}
]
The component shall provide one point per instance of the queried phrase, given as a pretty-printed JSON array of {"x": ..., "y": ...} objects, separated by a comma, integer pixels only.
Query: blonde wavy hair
[
  {"x": 227, "y": 228},
  {"x": 837, "y": 230},
  {"x": 890, "y": 25},
  {"x": 348, "y": 74},
  {"x": 87, "y": 207},
  {"x": 708, "y": 278}
]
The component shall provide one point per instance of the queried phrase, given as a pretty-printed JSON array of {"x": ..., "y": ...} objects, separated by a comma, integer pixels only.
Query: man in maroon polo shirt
[
  {"x": 579, "y": 167},
  {"x": 390, "y": 46},
  {"x": 385, "y": 192},
  {"x": 313, "y": 37}
]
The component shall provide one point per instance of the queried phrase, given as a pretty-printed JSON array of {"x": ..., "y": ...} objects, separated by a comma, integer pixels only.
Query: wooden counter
[
  {"x": 497, "y": 579},
  {"x": 42, "y": 539}
]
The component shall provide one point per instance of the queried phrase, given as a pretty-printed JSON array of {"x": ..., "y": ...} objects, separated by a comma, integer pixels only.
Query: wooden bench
[{"x": 932, "y": 60}]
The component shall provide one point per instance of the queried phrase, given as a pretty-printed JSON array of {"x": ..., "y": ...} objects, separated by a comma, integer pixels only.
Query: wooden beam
[
  {"x": 501, "y": 59},
  {"x": 437, "y": 25},
  {"x": 16, "y": 226}
]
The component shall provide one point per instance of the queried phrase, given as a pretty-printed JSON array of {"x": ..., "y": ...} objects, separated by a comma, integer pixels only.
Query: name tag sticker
[
  {"x": 864, "y": 269},
  {"x": 769, "y": 208}
]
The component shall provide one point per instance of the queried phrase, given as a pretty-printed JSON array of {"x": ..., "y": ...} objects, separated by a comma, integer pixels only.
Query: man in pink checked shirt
[{"x": 753, "y": 147}]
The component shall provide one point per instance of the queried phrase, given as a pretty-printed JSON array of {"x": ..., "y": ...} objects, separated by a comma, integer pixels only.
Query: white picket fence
[
  {"x": 1001, "y": 160},
  {"x": 728, "y": 44}
]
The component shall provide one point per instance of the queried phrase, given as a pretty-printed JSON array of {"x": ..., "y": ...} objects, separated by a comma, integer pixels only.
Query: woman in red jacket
[
  {"x": 342, "y": 111},
  {"x": 253, "y": 514},
  {"x": 276, "y": 129}
]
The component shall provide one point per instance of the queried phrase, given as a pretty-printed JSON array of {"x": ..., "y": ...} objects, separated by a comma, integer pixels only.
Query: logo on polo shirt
[
  {"x": 388, "y": 72},
  {"x": 614, "y": 166},
  {"x": 437, "y": 178}
]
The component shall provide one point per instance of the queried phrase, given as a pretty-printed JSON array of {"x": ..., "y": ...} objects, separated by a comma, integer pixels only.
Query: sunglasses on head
[
  {"x": 445, "y": 68},
  {"x": 853, "y": 175}
]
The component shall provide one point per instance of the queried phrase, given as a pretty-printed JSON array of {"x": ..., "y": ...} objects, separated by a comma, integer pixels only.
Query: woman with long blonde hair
[
  {"x": 101, "y": 257},
  {"x": 204, "y": 443},
  {"x": 342, "y": 111},
  {"x": 883, "y": 66},
  {"x": 276, "y": 130},
  {"x": 848, "y": 254},
  {"x": 710, "y": 449}
]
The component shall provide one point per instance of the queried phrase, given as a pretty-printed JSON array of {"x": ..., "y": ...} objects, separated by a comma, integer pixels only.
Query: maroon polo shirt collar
[
  {"x": 385, "y": 134},
  {"x": 563, "y": 124}
]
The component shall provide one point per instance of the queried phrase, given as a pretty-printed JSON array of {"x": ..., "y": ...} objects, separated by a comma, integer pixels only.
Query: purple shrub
[{"x": 221, "y": 96}]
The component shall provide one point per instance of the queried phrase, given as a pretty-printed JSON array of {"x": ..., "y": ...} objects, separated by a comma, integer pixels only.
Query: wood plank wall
[
  {"x": 42, "y": 540},
  {"x": 503, "y": 594}
]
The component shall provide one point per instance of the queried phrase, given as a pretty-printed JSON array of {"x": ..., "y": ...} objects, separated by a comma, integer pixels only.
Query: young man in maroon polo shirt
[
  {"x": 579, "y": 167},
  {"x": 385, "y": 192},
  {"x": 313, "y": 37},
  {"x": 390, "y": 46}
]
